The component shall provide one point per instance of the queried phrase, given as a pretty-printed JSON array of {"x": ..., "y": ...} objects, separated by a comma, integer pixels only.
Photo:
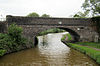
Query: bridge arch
[
  {"x": 33, "y": 25},
  {"x": 73, "y": 33}
]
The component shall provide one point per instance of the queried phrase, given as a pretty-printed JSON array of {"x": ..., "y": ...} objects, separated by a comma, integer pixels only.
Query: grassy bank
[
  {"x": 80, "y": 46},
  {"x": 94, "y": 54},
  {"x": 55, "y": 30},
  {"x": 13, "y": 40},
  {"x": 91, "y": 44}
]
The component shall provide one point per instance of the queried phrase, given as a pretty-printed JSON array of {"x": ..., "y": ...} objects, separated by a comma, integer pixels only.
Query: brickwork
[
  {"x": 78, "y": 27},
  {"x": 48, "y": 21}
]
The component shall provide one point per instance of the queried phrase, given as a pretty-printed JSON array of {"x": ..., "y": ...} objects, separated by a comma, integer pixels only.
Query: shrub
[
  {"x": 2, "y": 52},
  {"x": 13, "y": 40},
  {"x": 68, "y": 36},
  {"x": 4, "y": 41},
  {"x": 15, "y": 32}
]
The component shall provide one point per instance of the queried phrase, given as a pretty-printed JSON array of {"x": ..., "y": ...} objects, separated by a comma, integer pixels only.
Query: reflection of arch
[{"x": 76, "y": 37}]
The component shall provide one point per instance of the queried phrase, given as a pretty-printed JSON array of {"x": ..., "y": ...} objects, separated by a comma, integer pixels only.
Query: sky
[{"x": 55, "y": 8}]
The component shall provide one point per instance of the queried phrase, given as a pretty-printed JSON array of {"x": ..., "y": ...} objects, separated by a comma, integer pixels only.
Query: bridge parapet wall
[
  {"x": 48, "y": 21},
  {"x": 33, "y": 25}
]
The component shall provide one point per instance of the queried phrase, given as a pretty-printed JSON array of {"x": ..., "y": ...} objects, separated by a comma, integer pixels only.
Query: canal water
[{"x": 49, "y": 52}]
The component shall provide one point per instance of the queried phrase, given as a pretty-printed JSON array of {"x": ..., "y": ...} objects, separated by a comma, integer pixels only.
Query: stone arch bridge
[{"x": 79, "y": 28}]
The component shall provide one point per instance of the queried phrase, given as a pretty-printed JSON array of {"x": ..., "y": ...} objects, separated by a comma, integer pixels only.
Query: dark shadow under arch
[{"x": 73, "y": 33}]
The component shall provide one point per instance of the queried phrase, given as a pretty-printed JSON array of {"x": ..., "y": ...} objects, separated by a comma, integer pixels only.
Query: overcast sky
[{"x": 55, "y": 8}]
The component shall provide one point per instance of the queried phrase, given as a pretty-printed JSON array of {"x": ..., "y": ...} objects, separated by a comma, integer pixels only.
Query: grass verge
[
  {"x": 94, "y": 54},
  {"x": 91, "y": 44}
]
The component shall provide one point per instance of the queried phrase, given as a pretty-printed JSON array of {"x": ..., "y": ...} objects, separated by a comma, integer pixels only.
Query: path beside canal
[{"x": 91, "y": 47}]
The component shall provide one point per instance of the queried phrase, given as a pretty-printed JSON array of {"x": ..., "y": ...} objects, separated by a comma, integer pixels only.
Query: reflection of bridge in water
[{"x": 79, "y": 28}]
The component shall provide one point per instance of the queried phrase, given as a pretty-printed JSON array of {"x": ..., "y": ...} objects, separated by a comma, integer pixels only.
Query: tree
[
  {"x": 90, "y": 8},
  {"x": 82, "y": 14},
  {"x": 45, "y": 15},
  {"x": 93, "y": 6},
  {"x": 33, "y": 14}
]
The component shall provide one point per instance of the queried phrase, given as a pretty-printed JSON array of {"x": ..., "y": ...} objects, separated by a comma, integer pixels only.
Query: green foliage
[
  {"x": 13, "y": 40},
  {"x": 33, "y": 14},
  {"x": 15, "y": 32},
  {"x": 68, "y": 36},
  {"x": 2, "y": 52},
  {"x": 5, "y": 41},
  {"x": 55, "y": 30},
  {"x": 91, "y": 8},
  {"x": 63, "y": 38},
  {"x": 91, "y": 44},
  {"x": 82, "y": 14},
  {"x": 45, "y": 15},
  {"x": 94, "y": 54}
]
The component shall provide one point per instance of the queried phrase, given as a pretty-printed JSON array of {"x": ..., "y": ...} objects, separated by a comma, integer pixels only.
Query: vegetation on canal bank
[
  {"x": 55, "y": 30},
  {"x": 13, "y": 40},
  {"x": 94, "y": 54},
  {"x": 2, "y": 52},
  {"x": 81, "y": 46},
  {"x": 66, "y": 37},
  {"x": 91, "y": 44}
]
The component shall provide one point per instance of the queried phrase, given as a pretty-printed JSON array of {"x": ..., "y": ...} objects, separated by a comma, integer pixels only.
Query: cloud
[{"x": 56, "y": 8}]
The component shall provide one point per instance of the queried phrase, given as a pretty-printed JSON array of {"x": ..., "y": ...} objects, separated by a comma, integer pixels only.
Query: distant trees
[
  {"x": 34, "y": 14},
  {"x": 45, "y": 15},
  {"x": 90, "y": 8}
]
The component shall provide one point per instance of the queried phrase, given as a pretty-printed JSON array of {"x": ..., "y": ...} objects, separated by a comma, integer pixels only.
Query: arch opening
[{"x": 74, "y": 34}]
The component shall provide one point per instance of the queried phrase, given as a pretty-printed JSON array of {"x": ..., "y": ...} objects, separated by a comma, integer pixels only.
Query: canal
[{"x": 49, "y": 52}]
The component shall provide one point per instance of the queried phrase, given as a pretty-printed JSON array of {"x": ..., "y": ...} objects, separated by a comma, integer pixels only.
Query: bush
[
  {"x": 13, "y": 40},
  {"x": 15, "y": 32},
  {"x": 2, "y": 52},
  {"x": 68, "y": 36},
  {"x": 4, "y": 41}
]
